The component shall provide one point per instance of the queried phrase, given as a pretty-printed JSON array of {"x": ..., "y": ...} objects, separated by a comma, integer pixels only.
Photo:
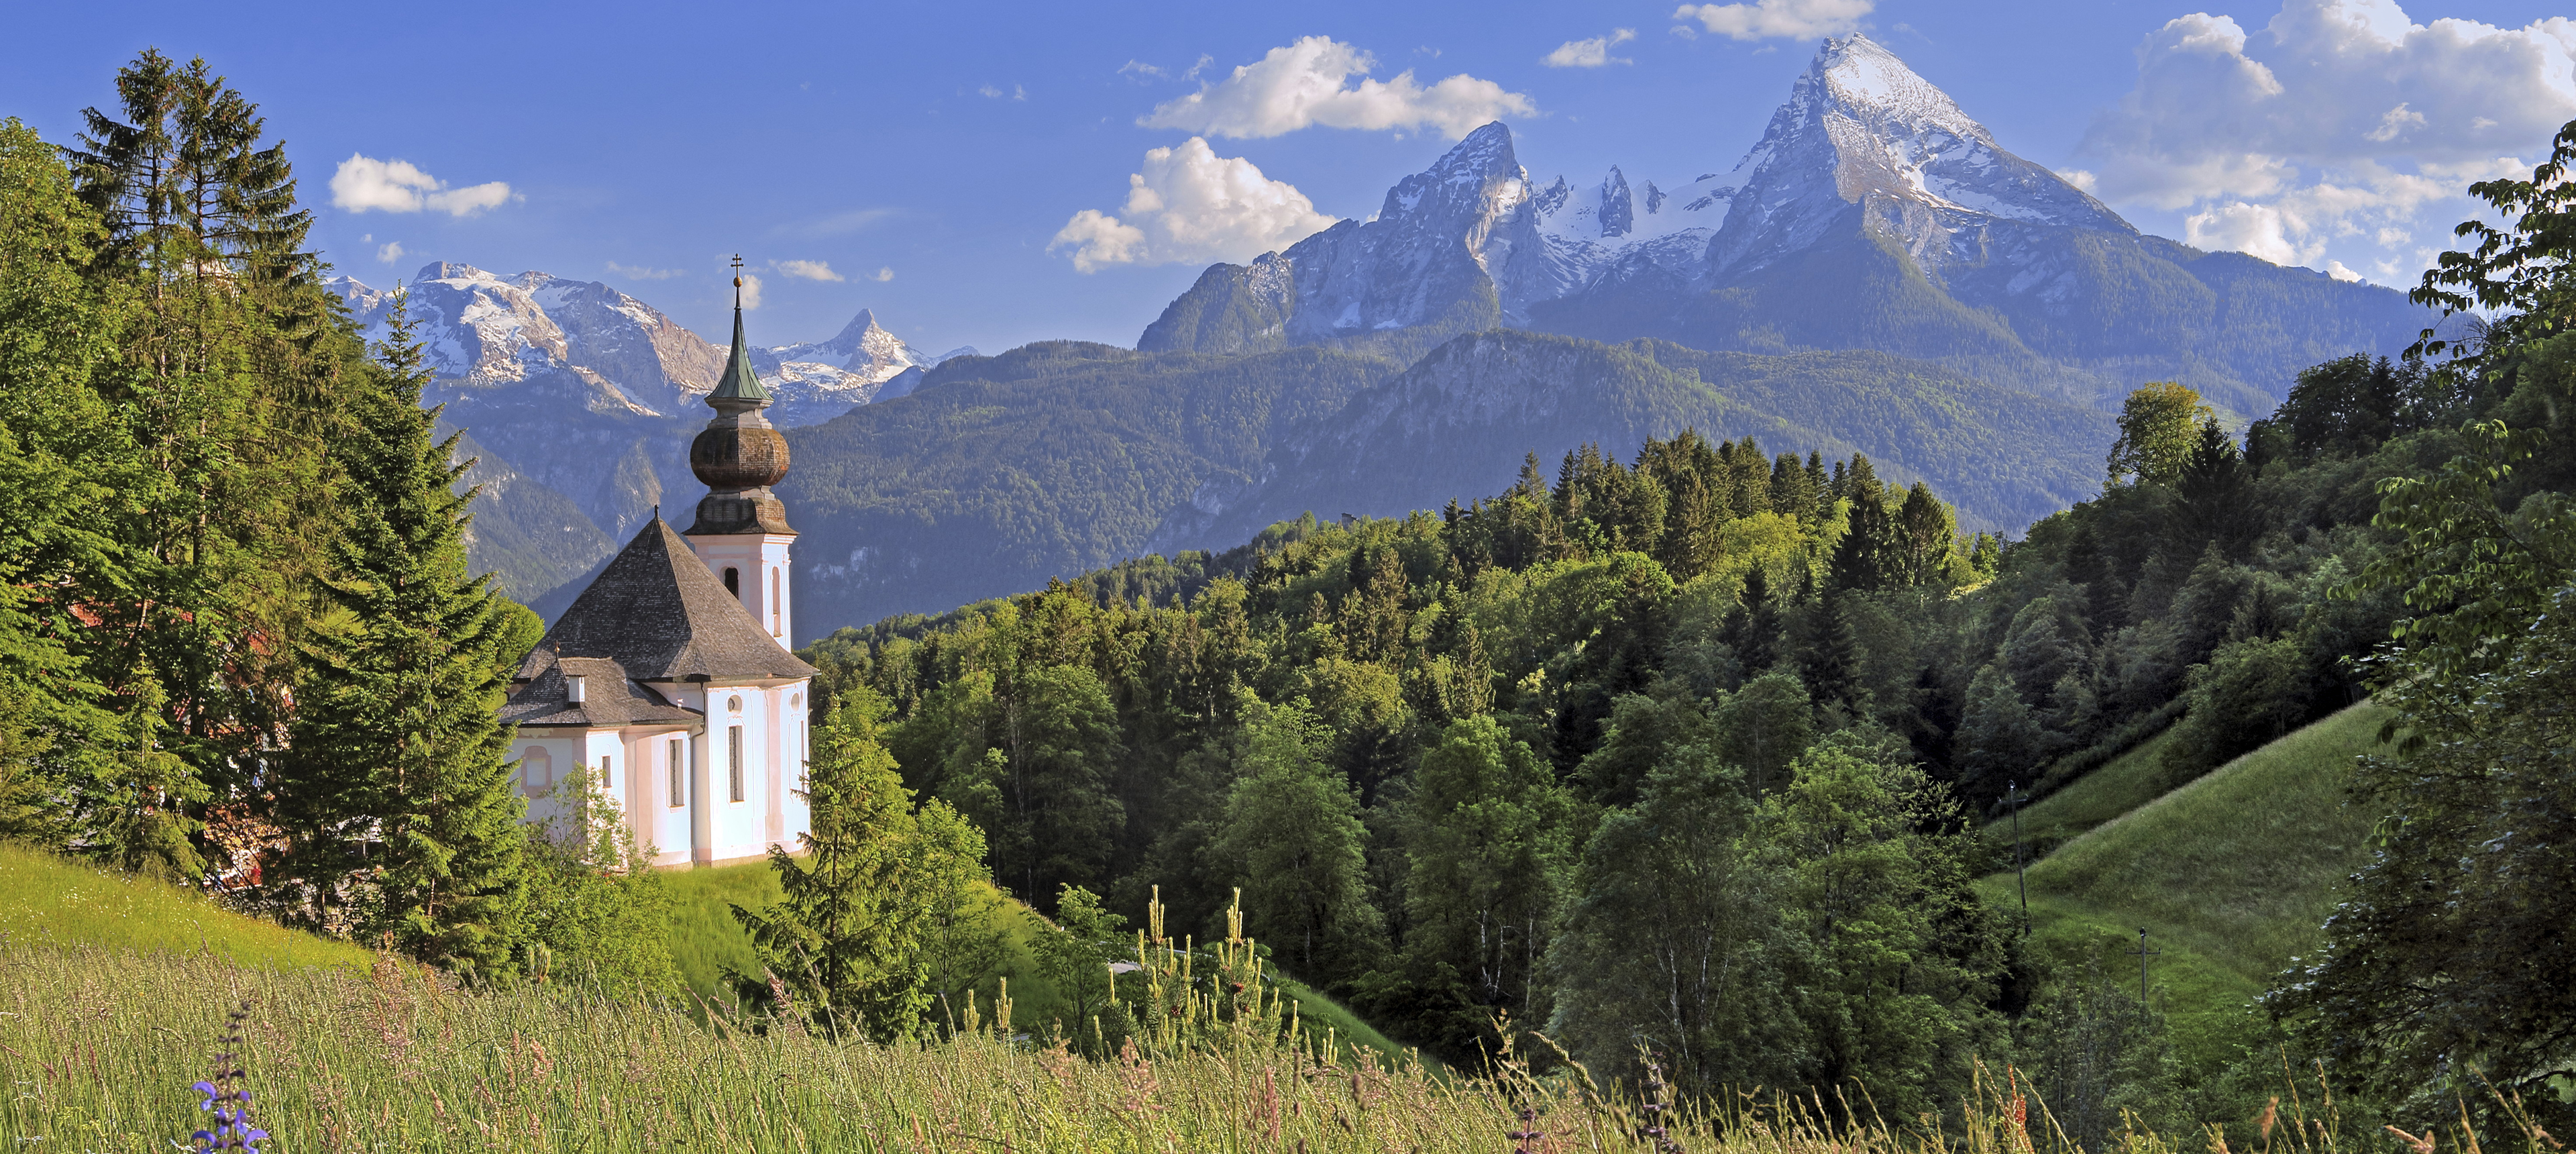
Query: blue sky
[{"x": 929, "y": 155}]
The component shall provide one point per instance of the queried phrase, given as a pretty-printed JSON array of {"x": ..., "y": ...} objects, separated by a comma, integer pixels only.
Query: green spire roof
[{"x": 739, "y": 382}]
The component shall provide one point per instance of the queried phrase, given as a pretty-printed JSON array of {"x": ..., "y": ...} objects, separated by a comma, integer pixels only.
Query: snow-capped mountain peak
[{"x": 1861, "y": 128}]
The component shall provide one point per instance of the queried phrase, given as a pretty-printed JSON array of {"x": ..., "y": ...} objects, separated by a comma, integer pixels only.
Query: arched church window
[
  {"x": 773, "y": 602},
  {"x": 733, "y": 580},
  {"x": 733, "y": 704}
]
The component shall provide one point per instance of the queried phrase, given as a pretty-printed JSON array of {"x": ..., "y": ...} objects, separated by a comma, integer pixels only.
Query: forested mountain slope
[
  {"x": 1459, "y": 422},
  {"x": 998, "y": 473}
]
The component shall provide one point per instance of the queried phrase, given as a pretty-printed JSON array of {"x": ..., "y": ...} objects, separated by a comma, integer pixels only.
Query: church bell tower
[{"x": 741, "y": 530}]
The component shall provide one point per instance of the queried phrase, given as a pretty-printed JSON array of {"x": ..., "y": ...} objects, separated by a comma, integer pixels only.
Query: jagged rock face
[
  {"x": 815, "y": 382},
  {"x": 1861, "y": 129},
  {"x": 1433, "y": 245},
  {"x": 1618, "y": 206},
  {"x": 1462, "y": 244}
]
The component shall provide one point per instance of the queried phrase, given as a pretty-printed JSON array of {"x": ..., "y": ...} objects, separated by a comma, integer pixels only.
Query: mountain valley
[{"x": 1876, "y": 274}]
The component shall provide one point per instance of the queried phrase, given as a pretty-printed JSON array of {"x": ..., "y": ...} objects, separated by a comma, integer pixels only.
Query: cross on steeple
[{"x": 737, "y": 285}]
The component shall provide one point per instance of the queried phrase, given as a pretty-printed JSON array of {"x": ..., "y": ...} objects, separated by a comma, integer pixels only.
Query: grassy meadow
[
  {"x": 46, "y": 899},
  {"x": 101, "y": 1045},
  {"x": 2232, "y": 875}
]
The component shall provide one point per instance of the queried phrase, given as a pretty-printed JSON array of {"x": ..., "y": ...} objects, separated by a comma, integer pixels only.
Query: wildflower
[
  {"x": 1655, "y": 1108},
  {"x": 226, "y": 1097}
]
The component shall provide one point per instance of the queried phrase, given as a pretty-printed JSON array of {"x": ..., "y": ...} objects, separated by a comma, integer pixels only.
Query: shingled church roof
[
  {"x": 662, "y": 616},
  {"x": 611, "y": 698}
]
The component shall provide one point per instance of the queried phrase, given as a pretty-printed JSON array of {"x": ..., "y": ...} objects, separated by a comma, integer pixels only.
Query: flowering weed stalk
[{"x": 227, "y": 1096}]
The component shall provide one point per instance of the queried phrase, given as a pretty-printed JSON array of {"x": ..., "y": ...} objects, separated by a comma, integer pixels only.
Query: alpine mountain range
[{"x": 1876, "y": 274}]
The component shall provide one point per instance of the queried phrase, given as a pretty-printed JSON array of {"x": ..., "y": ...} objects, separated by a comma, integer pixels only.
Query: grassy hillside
[
  {"x": 100, "y": 1047},
  {"x": 52, "y": 901},
  {"x": 2232, "y": 875},
  {"x": 2120, "y": 786}
]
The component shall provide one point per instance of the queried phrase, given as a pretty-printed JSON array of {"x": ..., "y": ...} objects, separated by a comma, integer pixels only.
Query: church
[{"x": 669, "y": 677}]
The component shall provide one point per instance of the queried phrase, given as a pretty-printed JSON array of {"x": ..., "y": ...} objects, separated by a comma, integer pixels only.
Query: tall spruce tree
[
  {"x": 396, "y": 789},
  {"x": 852, "y": 937},
  {"x": 236, "y": 384}
]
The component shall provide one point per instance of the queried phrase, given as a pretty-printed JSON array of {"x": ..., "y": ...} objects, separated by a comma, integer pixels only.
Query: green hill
[
  {"x": 54, "y": 901},
  {"x": 2231, "y": 876}
]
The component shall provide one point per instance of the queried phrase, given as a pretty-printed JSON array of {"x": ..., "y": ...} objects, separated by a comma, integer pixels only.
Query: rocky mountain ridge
[
  {"x": 580, "y": 401},
  {"x": 1873, "y": 213}
]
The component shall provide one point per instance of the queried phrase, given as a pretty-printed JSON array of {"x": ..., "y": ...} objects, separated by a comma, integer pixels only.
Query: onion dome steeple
[{"x": 739, "y": 455}]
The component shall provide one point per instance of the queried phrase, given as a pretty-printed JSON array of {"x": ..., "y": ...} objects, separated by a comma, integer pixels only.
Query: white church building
[{"x": 669, "y": 677}]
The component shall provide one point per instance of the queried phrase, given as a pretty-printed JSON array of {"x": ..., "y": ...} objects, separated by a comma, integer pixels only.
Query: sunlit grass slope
[
  {"x": 2124, "y": 784},
  {"x": 50, "y": 900},
  {"x": 2231, "y": 876},
  {"x": 99, "y": 1047}
]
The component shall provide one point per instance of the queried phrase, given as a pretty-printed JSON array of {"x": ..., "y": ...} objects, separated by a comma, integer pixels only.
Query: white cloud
[
  {"x": 1189, "y": 204},
  {"x": 2335, "y": 269},
  {"x": 750, "y": 290},
  {"x": 808, "y": 270},
  {"x": 642, "y": 273},
  {"x": 1764, "y": 19},
  {"x": 1310, "y": 83},
  {"x": 1141, "y": 68},
  {"x": 363, "y": 183},
  {"x": 1591, "y": 53},
  {"x": 391, "y": 252},
  {"x": 882, "y": 275},
  {"x": 2333, "y": 129}
]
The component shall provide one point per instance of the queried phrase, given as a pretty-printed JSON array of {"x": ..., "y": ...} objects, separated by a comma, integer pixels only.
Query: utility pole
[
  {"x": 2021, "y": 871},
  {"x": 2143, "y": 954}
]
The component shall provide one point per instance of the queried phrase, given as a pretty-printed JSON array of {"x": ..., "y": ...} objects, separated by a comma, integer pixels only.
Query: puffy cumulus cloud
[
  {"x": 2334, "y": 126},
  {"x": 882, "y": 275},
  {"x": 1764, "y": 19},
  {"x": 391, "y": 252},
  {"x": 1310, "y": 82},
  {"x": 363, "y": 183},
  {"x": 809, "y": 270},
  {"x": 1591, "y": 53},
  {"x": 1189, "y": 204}
]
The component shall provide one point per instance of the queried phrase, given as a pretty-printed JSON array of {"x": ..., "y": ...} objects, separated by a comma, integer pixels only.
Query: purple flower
[{"x": 227, "y": 1097}]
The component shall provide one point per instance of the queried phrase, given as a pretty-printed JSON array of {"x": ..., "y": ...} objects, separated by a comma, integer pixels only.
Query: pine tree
[
  {"x": 846, "y": 936},
  {"x": 237, "y": 386},
  {"x": 1870, "y": 556},
  {"x": 396, "y": 787}
]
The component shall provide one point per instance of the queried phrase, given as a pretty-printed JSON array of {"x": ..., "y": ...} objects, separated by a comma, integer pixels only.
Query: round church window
[{"x": 733, "y": 704}]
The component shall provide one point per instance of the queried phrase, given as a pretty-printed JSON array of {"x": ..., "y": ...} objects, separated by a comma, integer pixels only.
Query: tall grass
[{"x": 99, "y": 1048}]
